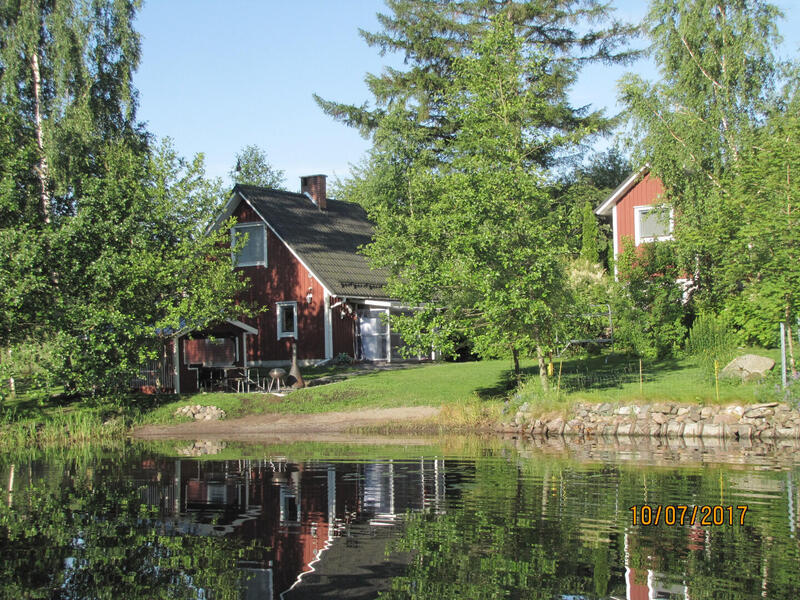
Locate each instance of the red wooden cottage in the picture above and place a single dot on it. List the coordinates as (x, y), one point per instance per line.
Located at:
(300, 253)
(633, 208)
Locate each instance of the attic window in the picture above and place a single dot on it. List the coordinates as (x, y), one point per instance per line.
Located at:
(652, 224)
(252, 252)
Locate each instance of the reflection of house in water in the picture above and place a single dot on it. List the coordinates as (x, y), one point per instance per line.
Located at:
(648, 584)
(292, 511)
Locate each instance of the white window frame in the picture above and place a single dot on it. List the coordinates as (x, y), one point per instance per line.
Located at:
(637, 217)
(239, 228)
(279, 314)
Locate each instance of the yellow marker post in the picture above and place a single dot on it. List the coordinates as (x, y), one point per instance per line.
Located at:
(716, 378)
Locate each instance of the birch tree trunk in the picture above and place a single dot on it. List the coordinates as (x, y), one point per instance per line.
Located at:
(542, 369)
(792, 363)
(41, 168)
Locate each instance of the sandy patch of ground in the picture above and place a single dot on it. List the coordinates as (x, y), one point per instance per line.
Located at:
(254, 426)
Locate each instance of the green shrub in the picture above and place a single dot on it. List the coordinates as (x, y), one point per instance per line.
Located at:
(711, 339)
(342, 359)
(649, 312)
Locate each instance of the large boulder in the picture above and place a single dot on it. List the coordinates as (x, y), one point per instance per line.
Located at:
(748, 367)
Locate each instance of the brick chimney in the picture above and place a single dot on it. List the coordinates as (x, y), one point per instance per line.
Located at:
(316, 187)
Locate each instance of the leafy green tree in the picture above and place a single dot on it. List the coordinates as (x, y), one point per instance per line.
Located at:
(102, 242)
(591, 182)
(472, 242)
(719, 82)
(66, 69)
(253, 168)
(762, 268)
(418, 171)
(133, 265)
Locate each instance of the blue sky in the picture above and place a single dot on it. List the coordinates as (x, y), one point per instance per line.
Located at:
(216, 76)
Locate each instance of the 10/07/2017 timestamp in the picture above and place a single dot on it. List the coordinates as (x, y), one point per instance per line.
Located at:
(683, 514)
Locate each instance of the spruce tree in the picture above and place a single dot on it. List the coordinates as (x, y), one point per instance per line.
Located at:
(589, 235)
(432, 34)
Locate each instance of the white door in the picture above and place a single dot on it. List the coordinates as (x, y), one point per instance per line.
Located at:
(373, 332)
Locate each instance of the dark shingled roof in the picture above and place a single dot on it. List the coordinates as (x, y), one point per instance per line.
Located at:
(326, 240)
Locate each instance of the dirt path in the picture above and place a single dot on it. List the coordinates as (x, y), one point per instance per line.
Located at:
(271, 424)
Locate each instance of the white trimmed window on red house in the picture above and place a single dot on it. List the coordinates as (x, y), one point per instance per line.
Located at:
(287, 319)
(653, 223)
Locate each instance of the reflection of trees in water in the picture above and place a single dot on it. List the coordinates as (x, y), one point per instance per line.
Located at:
(84, 532)
(542, 529)
(539, 527)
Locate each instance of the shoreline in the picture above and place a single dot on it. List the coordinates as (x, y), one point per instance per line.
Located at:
(341, 422)
(765, 421)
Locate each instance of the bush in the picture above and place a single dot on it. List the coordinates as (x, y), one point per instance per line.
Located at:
(649, 312)
(342, 359)
(711, 339)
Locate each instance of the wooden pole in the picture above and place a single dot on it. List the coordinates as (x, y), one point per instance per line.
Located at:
(783, 354)
(716, 378)
(641, 383)
(11, 384)
(558, 386)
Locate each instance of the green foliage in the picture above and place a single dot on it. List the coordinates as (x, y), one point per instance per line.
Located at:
(589, 235)
(103, 251)
(496, 275)
(432, 35)
(757, 311)
(649, 311)
(591, 182)
(67, 72)
(711, 340)
(469, 224)
(253, 168)
(718, 132)
(342, 359)
(762, 271)
(590, 290)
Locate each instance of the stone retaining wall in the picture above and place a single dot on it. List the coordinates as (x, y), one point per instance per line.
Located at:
(753, 421)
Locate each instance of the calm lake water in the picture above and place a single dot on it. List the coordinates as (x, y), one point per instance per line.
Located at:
(434, 519)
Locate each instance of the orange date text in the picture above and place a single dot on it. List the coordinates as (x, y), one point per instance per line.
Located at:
(683, 514)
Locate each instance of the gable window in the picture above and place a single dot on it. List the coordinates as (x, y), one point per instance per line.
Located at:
(287, 319)
(253, 252)
(652, 224)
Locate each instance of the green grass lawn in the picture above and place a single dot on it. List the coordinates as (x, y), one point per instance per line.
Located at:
(617, 379)
(425, 385)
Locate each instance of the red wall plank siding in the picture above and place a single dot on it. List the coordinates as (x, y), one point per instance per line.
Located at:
(283, 279)
(644, 193)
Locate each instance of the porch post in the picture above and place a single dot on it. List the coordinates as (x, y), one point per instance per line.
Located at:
(176, 363)
(388, 337)
(328, 323)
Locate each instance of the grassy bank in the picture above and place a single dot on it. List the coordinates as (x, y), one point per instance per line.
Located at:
(472, 395)
(458, 384)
